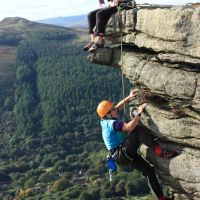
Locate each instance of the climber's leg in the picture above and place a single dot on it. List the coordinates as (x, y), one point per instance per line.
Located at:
(140, 164)
(92, 20)
(102, 17)
(142, 135)
(139, 135)
(91, 23)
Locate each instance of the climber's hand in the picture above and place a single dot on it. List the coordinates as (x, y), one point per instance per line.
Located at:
(142, 108)
(133, 93)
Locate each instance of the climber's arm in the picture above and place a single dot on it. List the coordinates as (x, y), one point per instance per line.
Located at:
(132, 94)
(130, 126)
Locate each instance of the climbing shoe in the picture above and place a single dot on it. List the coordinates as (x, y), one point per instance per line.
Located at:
(88, 46)
(163, 152)
(95, 46)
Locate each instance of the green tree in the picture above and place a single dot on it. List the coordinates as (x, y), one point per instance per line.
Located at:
(60, 185)
(47, 177)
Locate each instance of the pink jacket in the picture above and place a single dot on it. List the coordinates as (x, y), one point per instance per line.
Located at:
(102, 3)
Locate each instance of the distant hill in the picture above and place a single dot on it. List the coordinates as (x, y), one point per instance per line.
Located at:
(79, 21)
(21, 25)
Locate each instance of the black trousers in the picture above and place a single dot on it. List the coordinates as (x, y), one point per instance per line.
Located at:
(130, 147)
(98, 19)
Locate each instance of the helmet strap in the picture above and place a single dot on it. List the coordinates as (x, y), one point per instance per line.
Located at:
(109, 116)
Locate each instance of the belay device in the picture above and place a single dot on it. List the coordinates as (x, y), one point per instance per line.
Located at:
(126, 3)
(111, 165)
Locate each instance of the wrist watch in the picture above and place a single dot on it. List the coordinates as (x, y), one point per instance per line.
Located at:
(137, 113)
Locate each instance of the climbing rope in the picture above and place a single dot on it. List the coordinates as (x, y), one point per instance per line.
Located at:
(121, 56)
(119, 8)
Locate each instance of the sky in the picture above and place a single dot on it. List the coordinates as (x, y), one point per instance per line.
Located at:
(42, 9)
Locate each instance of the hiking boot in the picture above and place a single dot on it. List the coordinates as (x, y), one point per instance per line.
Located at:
(163, 152)
(88, 46)
(96, 46)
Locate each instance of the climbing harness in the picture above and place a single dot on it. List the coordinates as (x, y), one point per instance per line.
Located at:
(111, 160)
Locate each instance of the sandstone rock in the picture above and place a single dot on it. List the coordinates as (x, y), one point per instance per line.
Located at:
(182, 171)
(162, 56)
(159, 78)
(197, 96)
(101, 58)
(169, 126)
(174, 30)
(177, 58)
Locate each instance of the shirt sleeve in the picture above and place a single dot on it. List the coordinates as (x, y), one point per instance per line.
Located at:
(117, 125)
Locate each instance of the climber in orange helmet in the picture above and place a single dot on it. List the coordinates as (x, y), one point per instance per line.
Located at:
(123, 139)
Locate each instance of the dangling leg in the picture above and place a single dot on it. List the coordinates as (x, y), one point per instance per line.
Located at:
(140, 164)
(131, 145)
(91, 23)
(102, 17)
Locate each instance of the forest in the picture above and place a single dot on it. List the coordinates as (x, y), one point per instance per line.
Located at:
(53, 148)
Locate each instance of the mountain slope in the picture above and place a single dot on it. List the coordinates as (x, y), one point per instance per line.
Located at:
(20, 25)
(79, 21)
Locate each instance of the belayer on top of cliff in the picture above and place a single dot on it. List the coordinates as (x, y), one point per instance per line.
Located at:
(97, 20)
(122, 140)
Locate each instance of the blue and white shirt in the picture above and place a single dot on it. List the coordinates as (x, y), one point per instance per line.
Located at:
(112, 133)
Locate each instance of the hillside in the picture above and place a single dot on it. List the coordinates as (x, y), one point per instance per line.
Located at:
(50, 141)
(79, 21)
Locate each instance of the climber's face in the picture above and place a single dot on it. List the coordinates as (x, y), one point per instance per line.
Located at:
(114, 112)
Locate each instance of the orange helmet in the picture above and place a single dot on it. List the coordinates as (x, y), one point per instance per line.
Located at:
(104, 107)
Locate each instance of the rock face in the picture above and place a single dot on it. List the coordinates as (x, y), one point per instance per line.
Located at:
(161, 55)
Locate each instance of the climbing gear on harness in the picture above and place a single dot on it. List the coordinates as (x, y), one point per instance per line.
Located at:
(166, 153)
(88, 46)
(163, 152)
(127, 4)
(124, 2)
(111, 165)
(111, 160)
(126, 155)
(104, 107)
(123, 150)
